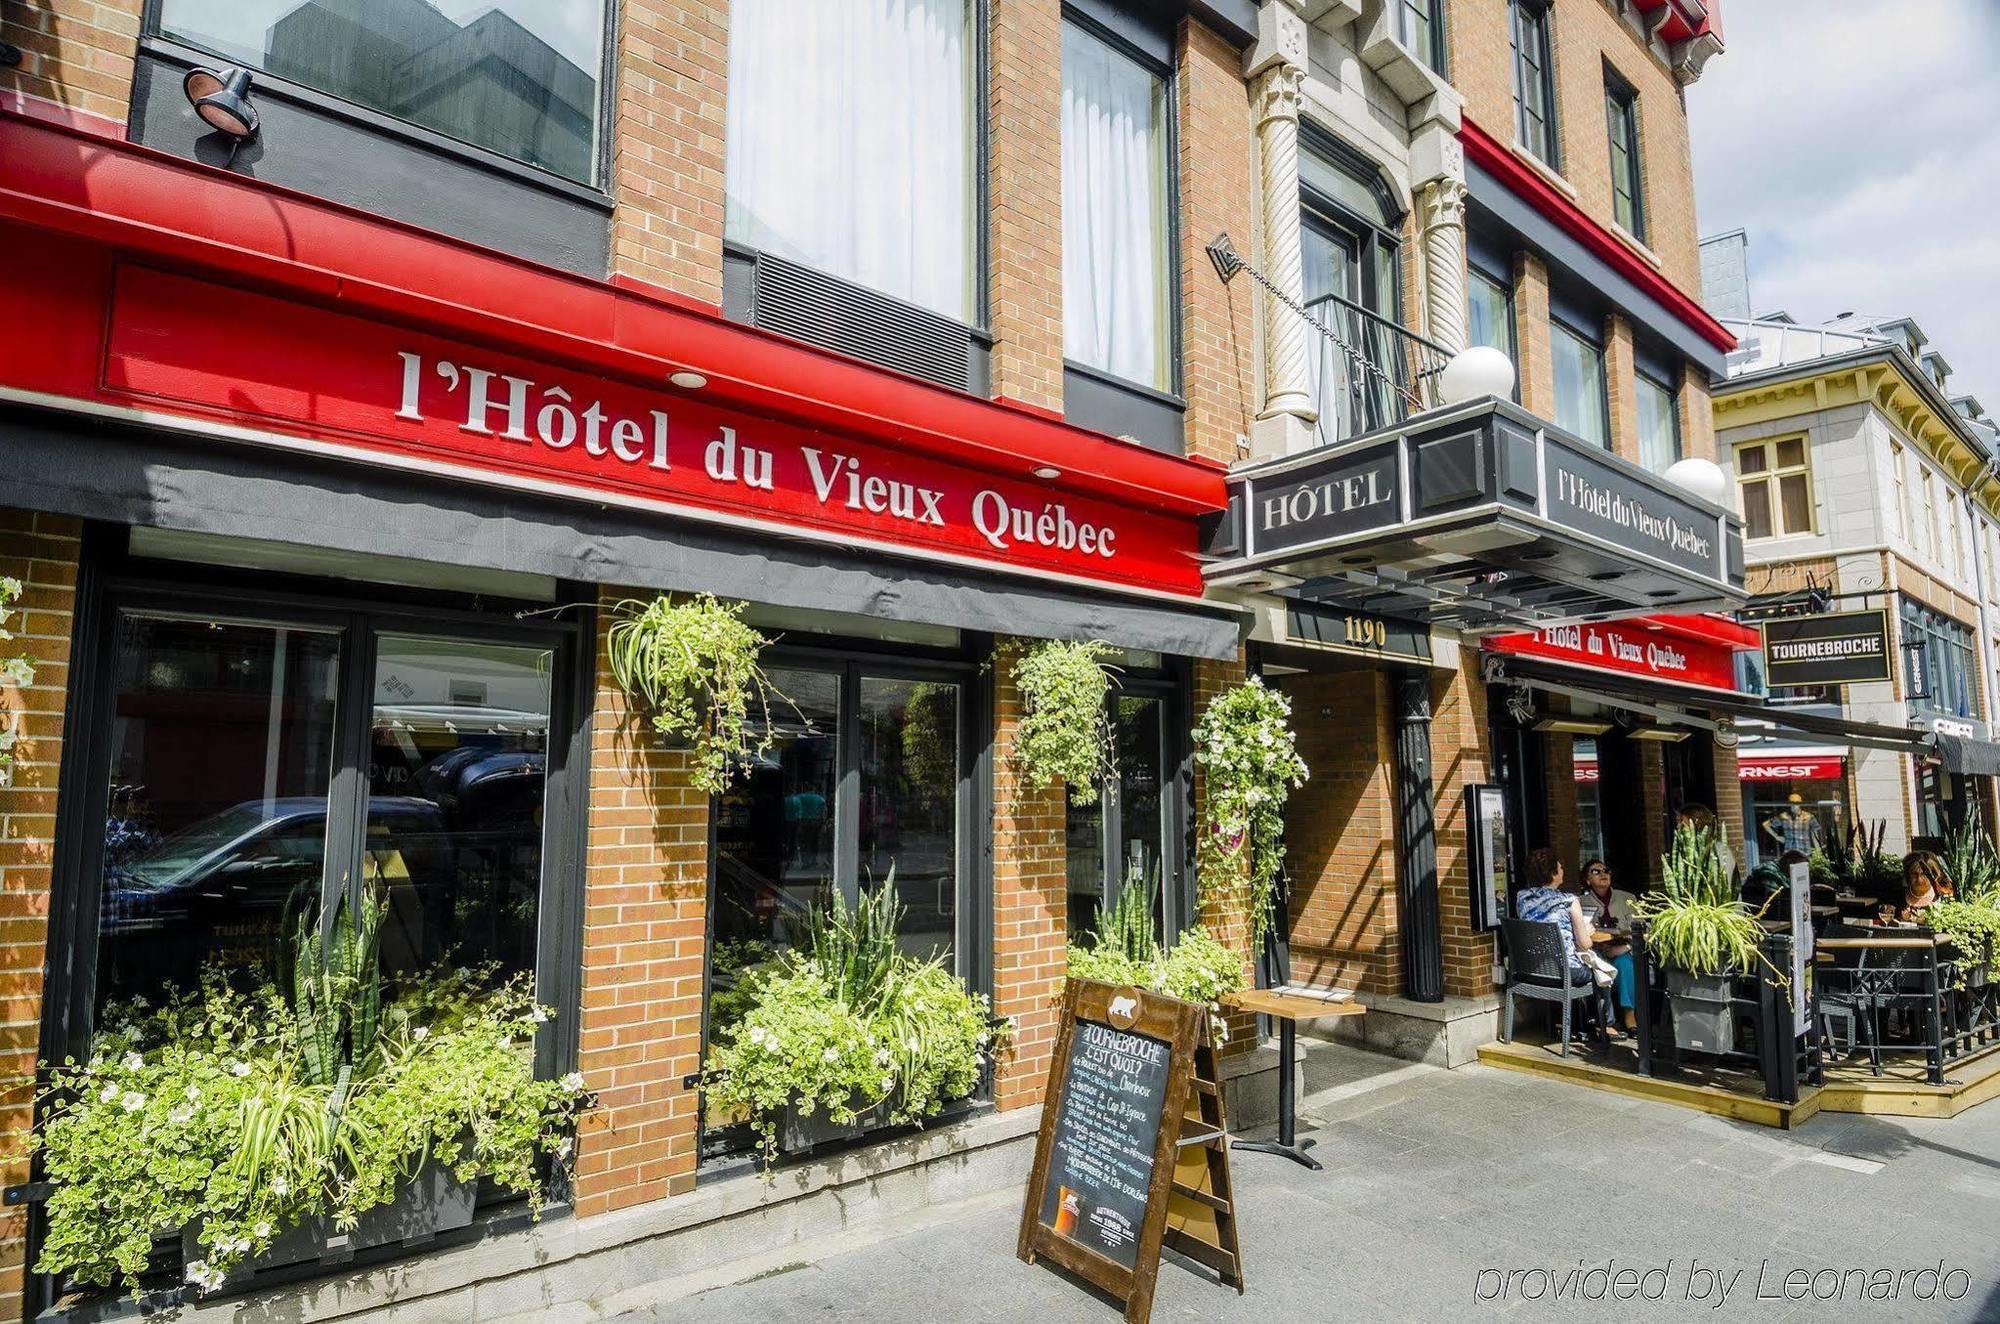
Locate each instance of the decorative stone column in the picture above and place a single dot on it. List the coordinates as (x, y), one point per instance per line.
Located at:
(1276, 67)
(1443, 212)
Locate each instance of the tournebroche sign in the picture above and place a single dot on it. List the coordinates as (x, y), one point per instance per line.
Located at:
(1836, 648)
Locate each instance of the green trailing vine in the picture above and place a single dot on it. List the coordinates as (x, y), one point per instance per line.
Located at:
(693, 664)
(18, 670)
(1065, 732)
(1250, 762)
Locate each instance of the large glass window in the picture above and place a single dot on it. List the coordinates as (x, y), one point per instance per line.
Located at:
(1490, 311)
(909, 804)
(222, 755)
(1940, 667)
(1115, 212)
(1775, 488)
(1348, 237)
(1659, 423)
(1579, 374)
(1534, 79)
(1420, 27)
(848, 146)
(1621, 118)
(517, 77)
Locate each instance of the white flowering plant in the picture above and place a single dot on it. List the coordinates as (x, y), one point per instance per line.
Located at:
(844, 1022)
(203, 1113)
(1250, 764)
(1065, 731)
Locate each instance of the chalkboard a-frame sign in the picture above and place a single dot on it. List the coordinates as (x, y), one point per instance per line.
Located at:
(1104, 1170)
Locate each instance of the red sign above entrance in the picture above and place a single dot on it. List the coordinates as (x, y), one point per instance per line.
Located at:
(1663, 648)
(1762, 768)
(460, 410)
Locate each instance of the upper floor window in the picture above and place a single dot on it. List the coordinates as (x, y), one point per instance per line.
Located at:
(1775, 487)
(1489, 309)
(1659, 423)
(1899, 470)
(1420, 27)
(1579, 373)
(1116, 216)
(516, 77)
(1935, 546)
(1621, 116)
(1534, 79)
(849, 144)
(1348, 240)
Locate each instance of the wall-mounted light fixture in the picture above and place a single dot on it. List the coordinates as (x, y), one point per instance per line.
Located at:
(1573, 726)
(1665, 735)
(222, 100)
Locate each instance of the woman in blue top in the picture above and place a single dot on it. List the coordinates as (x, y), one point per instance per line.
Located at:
(1544, 902)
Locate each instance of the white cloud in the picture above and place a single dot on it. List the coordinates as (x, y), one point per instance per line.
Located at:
(1859, 144)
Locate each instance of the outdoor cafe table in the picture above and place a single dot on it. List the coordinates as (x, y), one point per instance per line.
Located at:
(1288, 1008)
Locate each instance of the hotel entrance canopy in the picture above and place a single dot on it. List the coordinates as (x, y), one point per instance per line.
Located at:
(1479, 517)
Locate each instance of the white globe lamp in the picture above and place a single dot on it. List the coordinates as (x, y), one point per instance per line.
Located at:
(1703, 478)
(1474, 374)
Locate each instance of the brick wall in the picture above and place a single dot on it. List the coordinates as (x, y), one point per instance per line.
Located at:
(1217, 152)
(76, 53)
(672, 70)
(1589, 35)
(645, 915)
(1619, 388)
(1340, 834)
(1697, 415)
(1728, 796)
(1565, 829)
(1030, 904)
(1460, 758)
(41, 551)
(1531, 336)
(1024, 190)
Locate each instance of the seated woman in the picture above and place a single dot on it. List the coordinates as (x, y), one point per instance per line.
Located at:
(1607, 908)
(1544, 902)
(1924, 883)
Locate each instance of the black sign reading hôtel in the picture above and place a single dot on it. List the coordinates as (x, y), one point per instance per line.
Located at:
(1484, 495)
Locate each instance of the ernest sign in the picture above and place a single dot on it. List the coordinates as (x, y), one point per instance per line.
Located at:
(463, 411)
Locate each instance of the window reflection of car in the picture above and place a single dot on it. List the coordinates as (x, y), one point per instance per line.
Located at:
(256, 861)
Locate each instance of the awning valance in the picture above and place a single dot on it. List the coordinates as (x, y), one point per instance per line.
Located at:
(1968, 756)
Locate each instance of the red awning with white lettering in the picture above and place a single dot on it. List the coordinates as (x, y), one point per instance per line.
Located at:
(1784, 765)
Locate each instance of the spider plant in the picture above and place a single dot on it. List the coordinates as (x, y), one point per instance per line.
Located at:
(1697, 923)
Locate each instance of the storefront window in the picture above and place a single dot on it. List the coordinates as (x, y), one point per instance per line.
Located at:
(517, 77)
(222, 753)
(1128, 838)
(850, 142)
(1939, 665)
(456, 773)
(909, 804)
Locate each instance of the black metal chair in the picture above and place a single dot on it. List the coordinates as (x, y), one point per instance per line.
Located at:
(1538, 967)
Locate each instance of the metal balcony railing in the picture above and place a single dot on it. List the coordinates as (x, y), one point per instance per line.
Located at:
(1368, 371)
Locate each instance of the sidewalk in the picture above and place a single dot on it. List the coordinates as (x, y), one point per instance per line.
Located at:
(1438, 1183)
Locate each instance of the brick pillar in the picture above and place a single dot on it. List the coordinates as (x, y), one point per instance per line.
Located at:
(645, 916)
(1340, 834)
(1531, 336)
(1728, 797)
(1030, 904)
(1565, 832)
(1460, 757)
(1024, 209)
(1219, 334)
(1620, 387)
(41, 551)
(1653, 796)
(671, 71)
(76, 53)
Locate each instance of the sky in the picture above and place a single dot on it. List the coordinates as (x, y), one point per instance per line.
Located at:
(1858, 142)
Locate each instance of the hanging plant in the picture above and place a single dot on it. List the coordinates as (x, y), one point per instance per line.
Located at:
(694, 665)
(1250, 759)
(19, 670)
(1065, 732)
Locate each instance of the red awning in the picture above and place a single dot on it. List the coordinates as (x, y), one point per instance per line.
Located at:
(1802, 765)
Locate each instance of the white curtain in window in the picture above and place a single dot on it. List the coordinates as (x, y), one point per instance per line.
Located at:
(849, 142)
(1114, 212)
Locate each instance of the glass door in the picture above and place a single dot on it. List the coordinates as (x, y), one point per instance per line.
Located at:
(1333, 268)
(1133, 835)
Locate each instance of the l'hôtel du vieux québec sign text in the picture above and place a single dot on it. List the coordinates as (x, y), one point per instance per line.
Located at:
(470, 412)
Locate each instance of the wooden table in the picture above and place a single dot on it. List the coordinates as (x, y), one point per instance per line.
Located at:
(1288, 1009)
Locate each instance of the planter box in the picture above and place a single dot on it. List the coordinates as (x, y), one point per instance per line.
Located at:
(1704, 1021)
(799, 1132)
(433, 1201)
